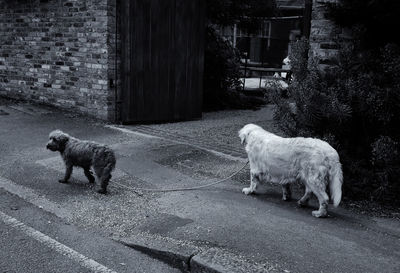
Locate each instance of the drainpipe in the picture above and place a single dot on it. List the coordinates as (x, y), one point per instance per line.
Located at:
(307, 18)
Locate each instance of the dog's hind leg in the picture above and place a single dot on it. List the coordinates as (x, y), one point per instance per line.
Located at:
(304, 200)
(318, 188)
(68, 172)
(323, 205)
(254, 181)
(89, 175)
(286, 192)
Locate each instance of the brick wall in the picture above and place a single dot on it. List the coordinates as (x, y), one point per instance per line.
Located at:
(326, 38)
(60, 53)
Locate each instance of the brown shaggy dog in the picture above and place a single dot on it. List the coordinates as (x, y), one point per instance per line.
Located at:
(84, 154)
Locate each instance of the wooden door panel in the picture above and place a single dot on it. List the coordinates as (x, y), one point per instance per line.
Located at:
(162, 60)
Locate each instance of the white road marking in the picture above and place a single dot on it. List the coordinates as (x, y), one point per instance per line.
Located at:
(128, 131)
(55, 245)
(226, 156)
(30, 196)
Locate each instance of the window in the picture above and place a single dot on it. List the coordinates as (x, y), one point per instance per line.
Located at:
(265, 29)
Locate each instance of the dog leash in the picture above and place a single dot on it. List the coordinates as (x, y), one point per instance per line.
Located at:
(137, 190)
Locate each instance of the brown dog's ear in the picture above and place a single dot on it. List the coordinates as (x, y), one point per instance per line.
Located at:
(59, 136)
(62, 138)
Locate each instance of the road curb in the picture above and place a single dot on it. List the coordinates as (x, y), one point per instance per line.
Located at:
(217, 260)
(194, 259)
(176, 254)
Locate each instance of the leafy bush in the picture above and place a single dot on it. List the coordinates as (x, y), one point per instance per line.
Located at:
(385, 160)
(298, 57)
(222, 84)
(367, 19)
(222, 61)
(355, 107)
(221, 69)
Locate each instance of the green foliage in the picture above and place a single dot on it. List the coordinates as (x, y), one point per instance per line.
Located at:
(355, 107)
(299, 58)
(386, 163)
(221, 69)
(245, 13)
(222, 82)
(370, 20)
(222, 61)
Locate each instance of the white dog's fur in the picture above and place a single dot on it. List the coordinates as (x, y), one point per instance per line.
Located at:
(286, 160)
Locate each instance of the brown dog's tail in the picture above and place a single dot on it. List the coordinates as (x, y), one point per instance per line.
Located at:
(335, 183)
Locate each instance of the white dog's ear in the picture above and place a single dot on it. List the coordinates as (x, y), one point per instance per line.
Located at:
(242, 136)
(243, 140)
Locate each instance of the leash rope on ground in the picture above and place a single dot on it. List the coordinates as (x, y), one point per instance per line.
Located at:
(136, 190)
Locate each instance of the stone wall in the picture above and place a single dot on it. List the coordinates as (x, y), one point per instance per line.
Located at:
(326, 38)
(60, 52)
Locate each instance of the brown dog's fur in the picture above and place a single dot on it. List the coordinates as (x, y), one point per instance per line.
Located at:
(84, 154)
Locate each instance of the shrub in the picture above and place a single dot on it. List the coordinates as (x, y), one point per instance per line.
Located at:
(298, 57)
(355, 107)
(221, 64)
(222, 84)
(385, 161)
(221, 69)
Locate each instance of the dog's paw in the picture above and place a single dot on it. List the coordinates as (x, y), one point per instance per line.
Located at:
(102, 191)
(63, 181)
(286, 197)
(319, 214)
(247, 191)
(301, 204)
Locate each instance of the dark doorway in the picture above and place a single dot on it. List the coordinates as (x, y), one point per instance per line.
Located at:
(162, 60)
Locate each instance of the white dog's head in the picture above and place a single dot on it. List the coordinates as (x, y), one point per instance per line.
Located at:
(245, 132)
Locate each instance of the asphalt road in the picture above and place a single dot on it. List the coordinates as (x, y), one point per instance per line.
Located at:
(33, 240)
(262, 229)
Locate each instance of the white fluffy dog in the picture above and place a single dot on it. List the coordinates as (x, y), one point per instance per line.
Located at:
(286, 160)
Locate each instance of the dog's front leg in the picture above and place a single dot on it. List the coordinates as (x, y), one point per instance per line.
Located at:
(254, 180)
(286, 192)
(68, 172)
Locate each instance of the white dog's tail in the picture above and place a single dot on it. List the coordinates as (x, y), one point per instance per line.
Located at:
(335, 183)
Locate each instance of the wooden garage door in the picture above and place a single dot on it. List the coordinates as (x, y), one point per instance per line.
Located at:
(162, 59)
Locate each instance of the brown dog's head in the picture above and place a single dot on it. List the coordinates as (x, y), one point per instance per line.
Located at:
(57, 141)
